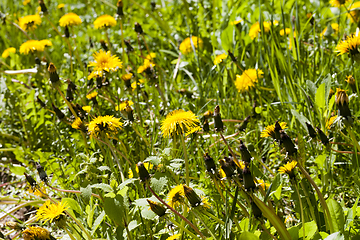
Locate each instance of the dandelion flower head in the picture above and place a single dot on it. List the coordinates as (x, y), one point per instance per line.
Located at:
(255, 29)
(36, 233)
(70, 19)
(338, 3)
(92, 95)
(104, 21)
(51, 211)
(7, 52)
(330, 122)
(174, 237)
(103, 61)
(30, 22)
(335, 29)
(86, 108)
(60, 6)
(147, 165)
(186, 47)
(127, 76)
(95, 74)
(286, 32)
(134, 85)
(179, 122)
(104, 124)
(149, 58)
(354, 12)
(123, 105)
(248, 79)
(26, 2)
(269, 131)
(288, 169)
(236, 22)
(77, 124)
(176, 196)
(219, 58)
(350, 45)
(31, 46)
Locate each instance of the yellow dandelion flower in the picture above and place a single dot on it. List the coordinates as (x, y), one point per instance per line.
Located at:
(350, 79)
(95, 74)
(219, 58)
(104, 21)
(77, 124)
(30, 22)
(174, 237)
(60, 6)
(236, 22)
(103, 61)
(286, 32)
(179, 122)
(354, 12)
(91, 95)
(335, 29)
(40, 191)
(127, 76)
(350, 45)
(123, 105)
(86, 108)
(288, 169)
(26, 2)
(186, 47)
(205, 202)
(51, 211)
(31, 46)
(149, 58)
(46, 43)
(176, 196)
(248, 79)
(7, 52)
(255, 29)
(144, 67)
(36, 233)
(104, 124)
(338, 3)
(269, 131)
(134, 85)
(222, 173)
(70, 19)
(263, 184)
(330, 122)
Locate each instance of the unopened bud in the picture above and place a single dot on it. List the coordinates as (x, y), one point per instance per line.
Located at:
(243, 125)
(192, 197)
(54, 77)
(277, 130)
(287, 143)
(233, 58)
(42, 104)
(156, 208)
(209, 164)
(227, 167)
(311, 130)
(255, 210)
(206, 126)
(248, 180)
(42, 174)
(30, 180)
(138, 28)
(120, 8)
(43, 7)
(129, 48)
(143, 172)
(58, 113)
(219, 126)
(342, 102)
(103, 45)
(323, 138)
(245, 154)
(69, 94)
(67, 32)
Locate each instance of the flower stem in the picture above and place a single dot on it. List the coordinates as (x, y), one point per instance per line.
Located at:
(183, 228)
(186, 160)
(301, 207)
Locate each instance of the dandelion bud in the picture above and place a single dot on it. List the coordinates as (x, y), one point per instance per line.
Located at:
(67, 32)
(243, 125)
(248, 180)
(185, 92)
(69, 94)
(42, 104)
(54, 77)
(288, 144)
(41, 171)
(119, 11)
(129, 112)
(103, 45)
(99, 82)
(59, 114)
(255, 209)
(277, 130)
(43, 7)
(156, 208)
(14, 225)
(208, 114)
(143, 172)
(209, 164)
(191, 196)
(311, 130)
(311, 18)
(129, 48)
(30, 180)
(323, 138)
(227, 167)
(37, 61)
(331, 93)
(138, 28)
(351, 81)
(233, 58)
(342, 102)
(245, 154)
(91, 43)
(219, 126)
(206, 126)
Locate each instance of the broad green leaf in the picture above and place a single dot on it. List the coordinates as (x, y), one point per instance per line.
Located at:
(248, 236)
(337, 215)
(335, 236)
(227, 38)
(294, 232)
(17, 169)
(103, 186)
(153, 159)
(86, 193)
(114, 208)
(320, 96)
(310, 230)
(97, 222)
(320, 160)
(158, 184)
(300, 117)
(73, 204)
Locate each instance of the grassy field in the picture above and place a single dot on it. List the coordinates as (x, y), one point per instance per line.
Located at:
(179, 119)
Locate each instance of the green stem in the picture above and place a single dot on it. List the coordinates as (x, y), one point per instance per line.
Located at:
(186, 160)
(301, 207)
(183, 228)
(195, 212)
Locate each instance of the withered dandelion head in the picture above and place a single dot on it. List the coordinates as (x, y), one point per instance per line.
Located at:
(255, 29)
(123, 105)
(104, 21)
(30, 22)
(338, 3)
(176, 196)
(31, 46)
(52, 211)
(186, 47)
(103, 61)
(288, 169)
(269, 131)
(104, 124)
(92, 95)
(354, 12)
(179, 122)
(174, 237)
(341, 97)
(36, 233)
(247, 80)
(70, 19)
(219, 58)
(330, 122)
(7, 52)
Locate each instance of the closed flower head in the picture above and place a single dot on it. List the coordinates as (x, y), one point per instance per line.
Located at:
(36, 233)
(29, 22)
(104, 21)
(70, 19)
(248, 79)
(104, 124)
(186, 46)
(179, 122)
(103, 61)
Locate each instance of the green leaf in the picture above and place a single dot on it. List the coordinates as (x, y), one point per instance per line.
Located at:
(300, 118)
(73, 204)
(97, 222)
(114, 208)
(153, 159)
(294, 232)
(310, 230)
(335, 236)
(103, 186)
(337, 215)
(320, 96)
(158, 184)
(227, 37)
(248, 236)
(86, 193)
(17, 169)
(320, 160)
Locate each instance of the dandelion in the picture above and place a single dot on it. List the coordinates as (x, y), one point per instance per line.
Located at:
(52, 211)
(95, 74)
(7, 52)
(219, 58)
(146, 66)
(174, 237)
(147, 165)
(104, 124)
(31, 46)
(255, 29)
(269, 131)
(176, 196)
(338, 3)
(36, 233)
(149, 58)
(236, 22)
(186, 47)
(26, 2)
(86, 108)
(263, 184)
(123, 105)
(127, 76)
(103, 61)
(342, 102)
(179, 122)
(39, 191)
(70, 19)
(60, 6)
(46, 43)
(354, 12)
(79, 125)
(248, 79)
(289, 169)
(286, 32)
(92, 95)
(334, 27)
(134, 85)
(29, 22)
(104, 21)
(330, 122)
